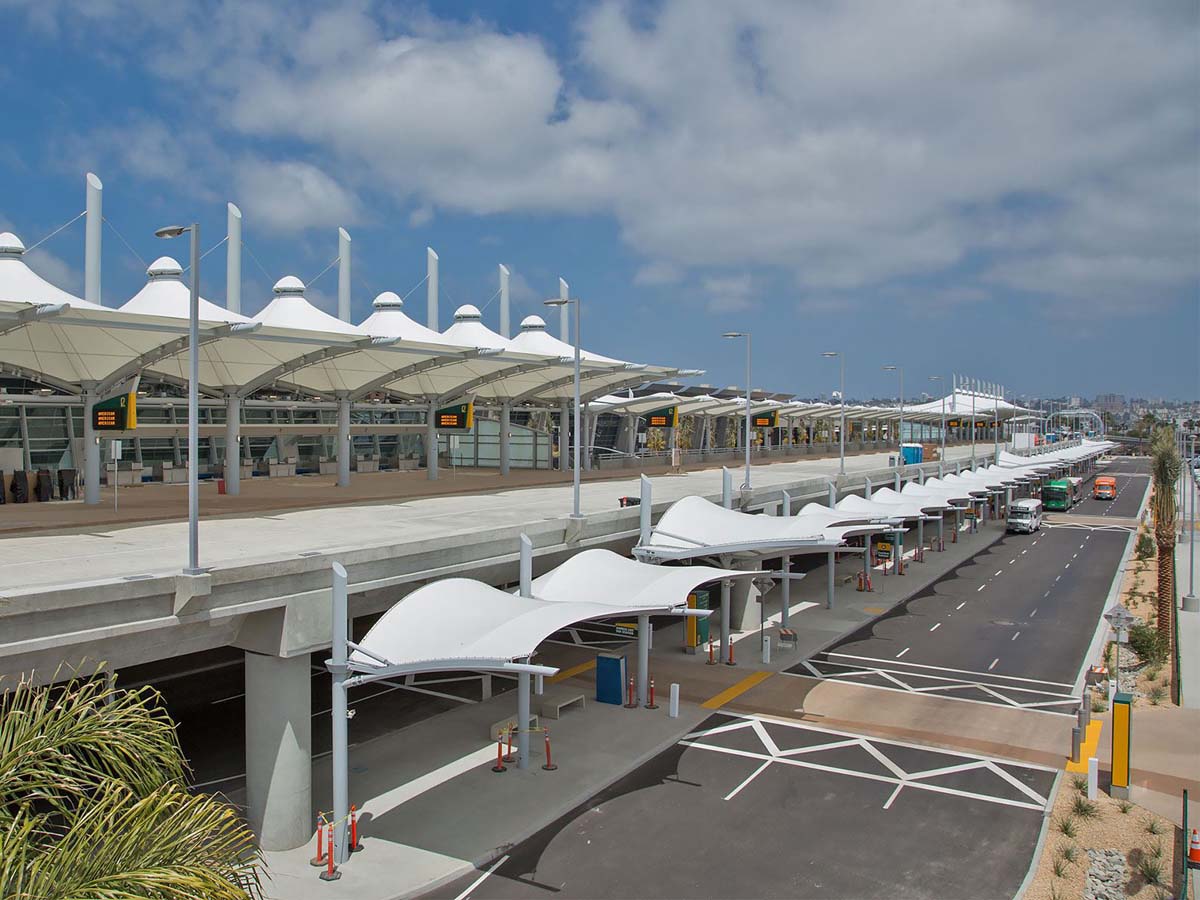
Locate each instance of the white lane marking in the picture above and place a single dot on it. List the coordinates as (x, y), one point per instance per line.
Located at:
(1023, 552)
(1074, 555)
(961, 605)
(895, 794)
(876, 659)
(936, 626)
(482, 878)
(902, 652)
(1017, 635)
(1081, 546)
(1058, 578)
(1034, 613)
(980, 588)
(1047, 594)
(749, 778)
(1011, 561)
(993, 665)
(999, 572)
(1035, 543)
(1067, 566)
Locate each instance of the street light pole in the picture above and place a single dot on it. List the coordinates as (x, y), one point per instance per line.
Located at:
(557, 301)
(900, 427)
(942, 391)
(829, 354)
(172, 231)
(746, 335)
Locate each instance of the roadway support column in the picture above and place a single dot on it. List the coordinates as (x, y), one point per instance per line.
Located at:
(279, 750)
(941, 532)
(866, 561)
(785, 564)
(343, 441)
(505, 436)
(643, 675)
(91, 452)
(338, 712)
(523, 719)
(233, 444)
(431, 444)
(829, 586)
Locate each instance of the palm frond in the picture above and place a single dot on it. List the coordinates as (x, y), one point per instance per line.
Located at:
(59, 743)
(167, 845)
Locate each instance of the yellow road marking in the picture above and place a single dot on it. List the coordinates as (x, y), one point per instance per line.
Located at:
(1090, 742)
(874, 609)
(573, 671)
(737, 690)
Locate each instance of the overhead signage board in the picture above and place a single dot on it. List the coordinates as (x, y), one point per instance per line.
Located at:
(667, 417)
(117, 413)
(765, 419)
(460, 417)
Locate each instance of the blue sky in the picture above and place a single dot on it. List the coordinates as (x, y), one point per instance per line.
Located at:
(1009, 190)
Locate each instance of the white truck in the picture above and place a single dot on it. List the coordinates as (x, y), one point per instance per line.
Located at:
(1024, 516)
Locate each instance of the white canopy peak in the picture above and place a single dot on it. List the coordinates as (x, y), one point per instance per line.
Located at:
(467, 313)
(388, 300)
(533, 323)
(10, 245)
(164, 267)
(289, 285)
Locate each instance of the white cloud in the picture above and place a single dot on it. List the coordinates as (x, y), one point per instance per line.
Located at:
(726, 294)
(852, 143)
(292, 195)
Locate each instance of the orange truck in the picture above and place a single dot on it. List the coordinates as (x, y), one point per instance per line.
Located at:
(1104, 487)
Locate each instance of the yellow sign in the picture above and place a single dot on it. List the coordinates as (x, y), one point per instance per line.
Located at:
(1122, 734)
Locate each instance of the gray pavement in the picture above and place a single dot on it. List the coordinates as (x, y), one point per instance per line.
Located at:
(42, 560)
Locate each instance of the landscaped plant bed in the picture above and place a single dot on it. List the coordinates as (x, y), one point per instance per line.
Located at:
(1128, 850)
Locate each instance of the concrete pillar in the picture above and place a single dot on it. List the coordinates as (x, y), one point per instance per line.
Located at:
(176, 448)
(522, 720)
(233, 444)
(643, 675)
(279, 750)
(920, 532)
(629, 433)
(431, 444)
(506, 437)
(91, 452)
(23, 427)
(343, 441)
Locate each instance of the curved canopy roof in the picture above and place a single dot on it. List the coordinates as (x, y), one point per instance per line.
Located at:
(165, 294)
(899, 509)
(694, 527)
(626, 585)
(20, 283)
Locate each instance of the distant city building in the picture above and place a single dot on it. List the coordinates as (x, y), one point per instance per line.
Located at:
(1111, 403)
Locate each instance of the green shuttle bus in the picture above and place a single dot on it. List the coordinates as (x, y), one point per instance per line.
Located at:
(1061, 494)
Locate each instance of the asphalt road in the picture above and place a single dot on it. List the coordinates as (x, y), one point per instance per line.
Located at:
(748, 807)
(1132, 474)
(1011, 626)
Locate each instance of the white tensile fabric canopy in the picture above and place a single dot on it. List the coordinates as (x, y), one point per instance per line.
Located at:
(694, 527)
(900, 509)
(459, 623)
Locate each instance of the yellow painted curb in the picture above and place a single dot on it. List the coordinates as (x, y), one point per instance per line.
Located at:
(737, 690)
(573, 671)
(1090, 742)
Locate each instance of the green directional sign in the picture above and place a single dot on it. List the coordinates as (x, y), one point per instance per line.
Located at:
(667, 417)
(769, 419)
(117, 413)
(460, 417)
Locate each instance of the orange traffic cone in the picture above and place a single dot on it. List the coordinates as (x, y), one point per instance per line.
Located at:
(1194, 849)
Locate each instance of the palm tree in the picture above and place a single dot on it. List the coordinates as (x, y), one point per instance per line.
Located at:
(93, 802)
(1165, 466)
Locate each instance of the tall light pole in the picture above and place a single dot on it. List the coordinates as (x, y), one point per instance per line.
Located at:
(942, 391)
(173, 231)
(900, 427)
(563, 301)
(746, 335)
(830, 354)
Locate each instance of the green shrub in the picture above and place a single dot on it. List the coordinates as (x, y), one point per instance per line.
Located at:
(1098, 704)
(1145, 547)
(1157, 695)
(1153, 826)
(1084, 808)
(1151, 870)
(1068, 853)
(1124, 806)
(1060, 868)
(1066, 825)
(1148, 644)
(1079, 782)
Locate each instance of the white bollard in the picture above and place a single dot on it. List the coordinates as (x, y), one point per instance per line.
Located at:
(1112, 689)
(766, 649)
(1093, 777)
(673, 706)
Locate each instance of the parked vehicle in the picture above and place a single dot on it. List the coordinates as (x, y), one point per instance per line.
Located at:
(1061, 493)
(1104, 487)
(1024, 516)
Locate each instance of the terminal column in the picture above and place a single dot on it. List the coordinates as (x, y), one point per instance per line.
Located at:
(279, 749)
(91, 450)
(431, 444)
(233, 444)
(643, 675)
(505, 437)
(343, 441)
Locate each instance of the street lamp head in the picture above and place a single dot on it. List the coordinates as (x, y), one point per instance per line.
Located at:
(935, 377)
(890, 368)
(556, 301)
(170, 231)
(734, 334)
(830, 354)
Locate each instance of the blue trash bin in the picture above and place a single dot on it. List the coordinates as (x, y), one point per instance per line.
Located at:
(610, 678)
